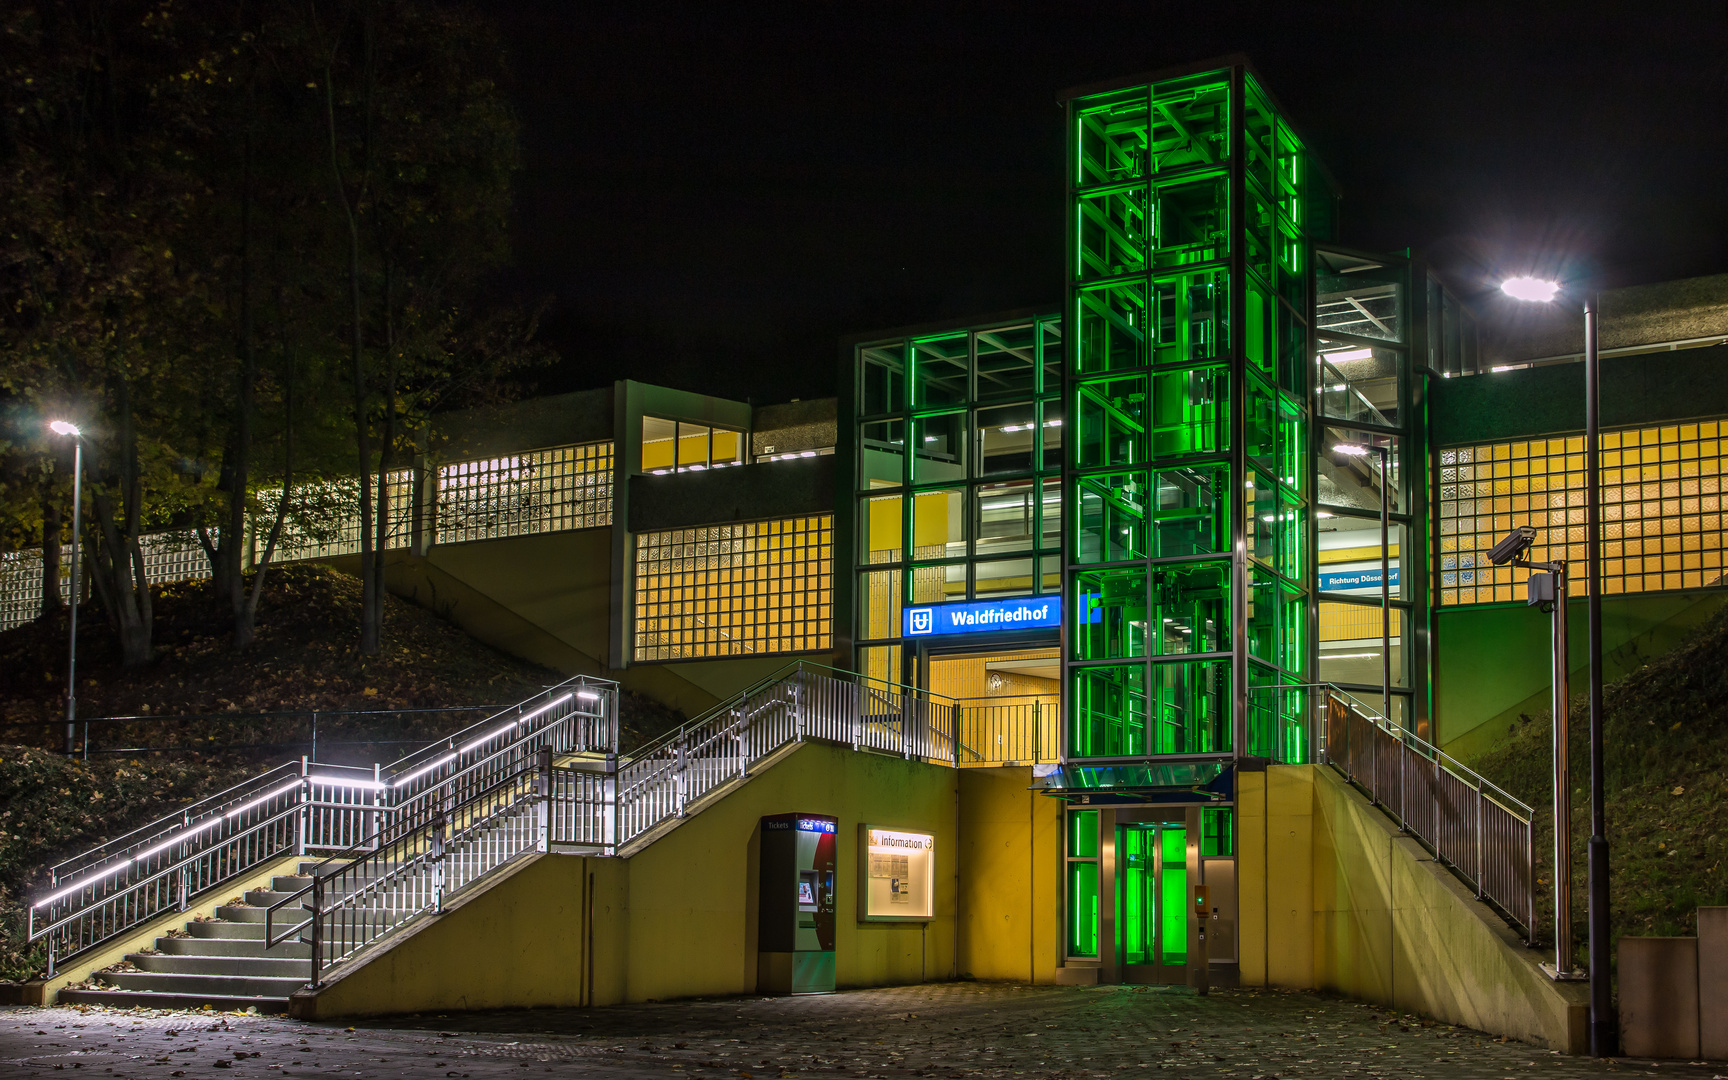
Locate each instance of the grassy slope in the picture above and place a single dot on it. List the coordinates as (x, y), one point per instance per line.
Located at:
(51, 808)
(1666, 740)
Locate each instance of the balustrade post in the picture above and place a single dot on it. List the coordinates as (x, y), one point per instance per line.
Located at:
(1037, 733)
(302, 820)
(182, 886)
(439, 824)
(859, 701)
(317, 921)
(1481, 850)
(798, 719)
(609, 806)
(543, 784)
(372, 814)
(681, 779)
(1403, 814)
(908, 713)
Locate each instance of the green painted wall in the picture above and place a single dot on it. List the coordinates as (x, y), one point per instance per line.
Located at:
(1491, 660)
(1649, 388)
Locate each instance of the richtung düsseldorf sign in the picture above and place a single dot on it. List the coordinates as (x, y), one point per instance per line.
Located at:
(982, 616)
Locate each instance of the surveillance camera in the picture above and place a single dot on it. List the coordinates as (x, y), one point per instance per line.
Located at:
(1512, 548)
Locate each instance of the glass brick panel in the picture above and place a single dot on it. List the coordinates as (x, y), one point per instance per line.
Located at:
(1109, 620)
(1113, 414)
(751, 589)
(1190, 608)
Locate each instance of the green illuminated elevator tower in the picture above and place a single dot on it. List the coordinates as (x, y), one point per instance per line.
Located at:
(1192, 211)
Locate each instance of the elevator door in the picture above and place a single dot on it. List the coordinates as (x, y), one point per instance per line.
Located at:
(1152, 902)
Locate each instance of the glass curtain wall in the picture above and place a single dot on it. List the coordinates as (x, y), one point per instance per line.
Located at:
(1371, 418)
(1192, 206)
(974, 510)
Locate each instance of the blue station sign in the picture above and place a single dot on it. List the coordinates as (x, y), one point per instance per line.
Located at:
(982, 616)
(1348, 580)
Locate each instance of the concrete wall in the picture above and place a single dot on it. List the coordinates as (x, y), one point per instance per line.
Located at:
(1335, 898)
(1010, 887)
(675, 918)
(1491, 663)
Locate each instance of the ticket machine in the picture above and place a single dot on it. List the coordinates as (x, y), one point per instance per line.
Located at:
(795, 905)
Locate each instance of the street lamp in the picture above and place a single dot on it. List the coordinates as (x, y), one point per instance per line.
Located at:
(1601, 995)
(61, 427)
(1360, 450)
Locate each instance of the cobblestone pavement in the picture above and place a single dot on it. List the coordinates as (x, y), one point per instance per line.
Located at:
(952, 1030)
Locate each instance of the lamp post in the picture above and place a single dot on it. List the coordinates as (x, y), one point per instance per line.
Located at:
(1359, 450)
(1601, 994)
(61, 427)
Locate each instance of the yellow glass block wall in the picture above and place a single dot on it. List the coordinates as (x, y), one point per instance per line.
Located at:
(749, 589)
(1661, 510)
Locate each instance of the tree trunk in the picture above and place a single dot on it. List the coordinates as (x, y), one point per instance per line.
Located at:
(246, 622)
(117, 561)
(51, 603)
(234, 532)
(357, 361)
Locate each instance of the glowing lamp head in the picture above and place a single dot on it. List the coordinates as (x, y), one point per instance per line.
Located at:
(1352, 449)
(61, 427)
(1529, 288)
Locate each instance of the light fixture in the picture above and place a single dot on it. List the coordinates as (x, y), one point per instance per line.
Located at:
(61, 427)
(1530, 288)
(1350, 354)
(1352, 449)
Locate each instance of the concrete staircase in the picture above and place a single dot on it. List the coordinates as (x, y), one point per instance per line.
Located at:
(221, 962)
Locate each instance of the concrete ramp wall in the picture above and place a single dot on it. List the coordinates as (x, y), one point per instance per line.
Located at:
(1372, 915)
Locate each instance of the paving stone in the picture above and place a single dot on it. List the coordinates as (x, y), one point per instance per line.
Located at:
(947, 1030)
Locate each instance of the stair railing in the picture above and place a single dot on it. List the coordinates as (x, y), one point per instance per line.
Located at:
(801, 702)
(297, 808)
(1479, 831)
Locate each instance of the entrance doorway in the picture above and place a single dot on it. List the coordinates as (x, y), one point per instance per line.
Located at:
(1152, 901)
(1007, 702)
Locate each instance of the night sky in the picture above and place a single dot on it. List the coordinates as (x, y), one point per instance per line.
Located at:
(715, 193)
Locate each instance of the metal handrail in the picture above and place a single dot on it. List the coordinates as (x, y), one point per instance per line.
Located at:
(1484, 835)
(202, 847)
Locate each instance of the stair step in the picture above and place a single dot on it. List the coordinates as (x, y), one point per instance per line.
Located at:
(126, 999)
(169, 982)
(275, 966)
(212, 946)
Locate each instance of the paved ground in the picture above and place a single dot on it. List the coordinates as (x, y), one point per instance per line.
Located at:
(955, 1030)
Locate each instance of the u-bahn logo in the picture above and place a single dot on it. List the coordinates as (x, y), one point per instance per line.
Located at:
(920, 621)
